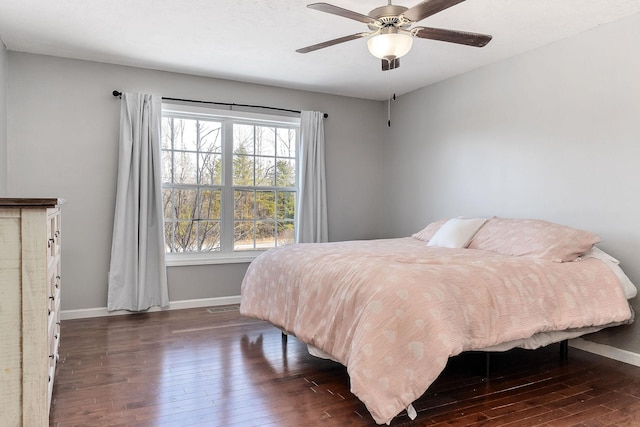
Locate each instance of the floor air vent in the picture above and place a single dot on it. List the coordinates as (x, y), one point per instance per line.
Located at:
(223, 308)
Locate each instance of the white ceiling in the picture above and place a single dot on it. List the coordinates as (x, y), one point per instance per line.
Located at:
(255, 40)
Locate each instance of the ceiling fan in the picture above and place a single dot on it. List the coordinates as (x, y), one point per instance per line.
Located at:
(391, 35)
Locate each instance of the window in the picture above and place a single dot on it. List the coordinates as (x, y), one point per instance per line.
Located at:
(229, 182)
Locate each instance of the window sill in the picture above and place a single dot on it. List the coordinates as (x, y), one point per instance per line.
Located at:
(180, 260)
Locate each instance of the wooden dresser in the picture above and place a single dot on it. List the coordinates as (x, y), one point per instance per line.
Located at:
(29, 308)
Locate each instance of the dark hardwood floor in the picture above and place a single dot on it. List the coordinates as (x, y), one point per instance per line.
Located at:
(216, 368)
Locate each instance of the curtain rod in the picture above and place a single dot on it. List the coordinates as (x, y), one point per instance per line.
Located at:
(228, 104)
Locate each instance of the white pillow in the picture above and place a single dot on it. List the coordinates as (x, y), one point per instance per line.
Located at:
(456, 232)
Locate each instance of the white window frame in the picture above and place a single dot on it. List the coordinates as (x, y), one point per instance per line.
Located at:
(227, 255)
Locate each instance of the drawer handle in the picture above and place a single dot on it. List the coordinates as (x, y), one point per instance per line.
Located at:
(51, 356)
(57, 233)
(55, 336)
(49, 310)
(49, 242)
(58, 323)
(52, 298)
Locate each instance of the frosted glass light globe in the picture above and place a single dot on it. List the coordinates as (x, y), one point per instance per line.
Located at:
(390, 45)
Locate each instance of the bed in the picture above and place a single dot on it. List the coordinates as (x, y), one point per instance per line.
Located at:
(394, 310)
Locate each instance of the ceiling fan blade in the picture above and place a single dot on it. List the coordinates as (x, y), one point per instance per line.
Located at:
(331, 42)
(452, 36)
(335, 10)
(428, 8)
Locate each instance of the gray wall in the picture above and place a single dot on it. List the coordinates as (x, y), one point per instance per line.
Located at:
(551, 134)
(63, 142)
(4, 67)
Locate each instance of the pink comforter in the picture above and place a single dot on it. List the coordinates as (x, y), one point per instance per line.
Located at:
(393, 311)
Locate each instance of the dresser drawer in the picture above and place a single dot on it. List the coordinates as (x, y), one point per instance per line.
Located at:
(53, 312)
(54, 278)
(53, 235)
(53, 356)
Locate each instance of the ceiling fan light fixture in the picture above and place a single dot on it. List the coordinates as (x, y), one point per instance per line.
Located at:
(390, 44)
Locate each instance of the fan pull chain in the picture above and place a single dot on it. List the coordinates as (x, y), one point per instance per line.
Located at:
(390, 97)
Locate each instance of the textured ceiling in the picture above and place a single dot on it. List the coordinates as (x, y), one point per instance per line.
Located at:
(255, 40)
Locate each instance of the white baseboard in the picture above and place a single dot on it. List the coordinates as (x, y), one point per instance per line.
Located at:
(173, 305)
(607, 351)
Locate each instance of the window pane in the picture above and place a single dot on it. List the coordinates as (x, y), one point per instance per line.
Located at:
(166, 161)
(185, 167)
(286, 143)
(168, 237)
(209, 206)
(243, 170)
(265, 204)
(210, 136)
(243, 236)
(167, 133)
(185, 236)
(286, 173)
(167, 203)
(242, 139)
(185, 135)
(265, 235)
(286, 205)
(210, 169)
(285, 233)
(208, 236)
(184, 204)
(265, 141)
(244, 204)
(265, 171)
